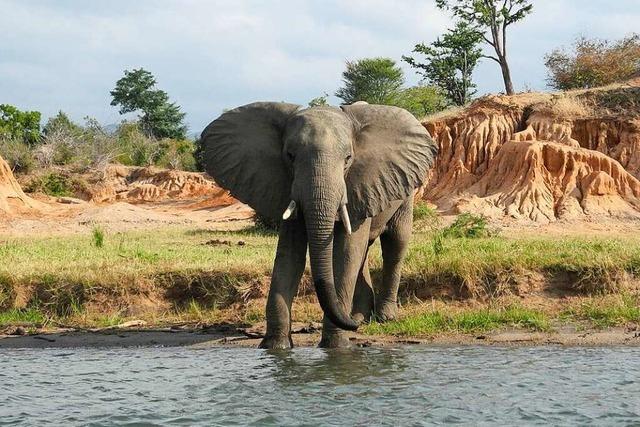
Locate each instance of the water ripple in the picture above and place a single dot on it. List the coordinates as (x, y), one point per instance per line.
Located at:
(403, 386)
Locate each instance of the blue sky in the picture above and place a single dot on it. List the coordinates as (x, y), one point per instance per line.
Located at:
(215, 54)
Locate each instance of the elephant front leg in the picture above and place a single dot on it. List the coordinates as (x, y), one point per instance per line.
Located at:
(394, 242)
(287, 272)
(363, 298)
(349, 252)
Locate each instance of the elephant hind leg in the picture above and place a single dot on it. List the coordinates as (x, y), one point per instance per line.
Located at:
(363, 299)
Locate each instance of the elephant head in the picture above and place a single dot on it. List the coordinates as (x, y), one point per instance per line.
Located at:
(325, 163)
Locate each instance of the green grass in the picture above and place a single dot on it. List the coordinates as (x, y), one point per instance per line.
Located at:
(62, 275)
(488, 266)
(467, 321)
(98, 237)
(18, 316)
(611, 312)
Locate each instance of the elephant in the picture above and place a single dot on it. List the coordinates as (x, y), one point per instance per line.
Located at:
(340, 178)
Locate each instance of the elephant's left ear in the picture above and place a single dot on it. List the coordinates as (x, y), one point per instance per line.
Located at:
(392, 155)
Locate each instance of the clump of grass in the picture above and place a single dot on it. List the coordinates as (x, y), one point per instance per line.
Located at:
(467, 225)
(97, 234)
(422, 211)
(21, 316)
(425, 217)
(468, 321)
(608, 312)
(109, 320)
(7, 292)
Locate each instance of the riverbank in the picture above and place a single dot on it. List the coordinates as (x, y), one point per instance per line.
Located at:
(541, 287)
(308, 336)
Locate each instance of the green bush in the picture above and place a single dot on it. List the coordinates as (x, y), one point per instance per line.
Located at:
(467, 225)
(53, 184)
(18, 155)
(177, 154)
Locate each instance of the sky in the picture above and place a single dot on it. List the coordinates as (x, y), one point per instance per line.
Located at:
(209, 55)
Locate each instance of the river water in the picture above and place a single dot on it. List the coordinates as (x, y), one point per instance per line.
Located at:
(309, 386)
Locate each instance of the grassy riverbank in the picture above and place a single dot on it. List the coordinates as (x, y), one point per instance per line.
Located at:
(450, 284)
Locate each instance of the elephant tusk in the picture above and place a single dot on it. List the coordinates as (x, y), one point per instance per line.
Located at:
(289, 211)
(344, 216)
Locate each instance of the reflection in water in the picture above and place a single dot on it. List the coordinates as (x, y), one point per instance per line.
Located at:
(403, 386)
(333, 366)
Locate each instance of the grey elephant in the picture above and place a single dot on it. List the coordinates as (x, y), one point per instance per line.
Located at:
(339, 178)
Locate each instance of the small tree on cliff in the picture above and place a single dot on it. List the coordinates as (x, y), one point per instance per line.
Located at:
(593, 62)
(421, 100)
(491, 18)
(450, 62)
(136, 91)
(374, 80)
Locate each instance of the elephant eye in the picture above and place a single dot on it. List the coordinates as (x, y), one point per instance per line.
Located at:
(290, 156)
(348, 159)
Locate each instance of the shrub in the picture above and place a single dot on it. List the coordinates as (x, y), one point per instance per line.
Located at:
(134, 148)
(593, 62)
(54, 184)
(176, 154)
(58, 147)
(18, 155)
(266, 224)
(467, 225)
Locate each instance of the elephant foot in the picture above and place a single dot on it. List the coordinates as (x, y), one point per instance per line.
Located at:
(277, 342)
(335, 340)
(387, 312)
(361, 317)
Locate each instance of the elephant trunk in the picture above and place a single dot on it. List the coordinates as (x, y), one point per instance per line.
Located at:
(320, 211)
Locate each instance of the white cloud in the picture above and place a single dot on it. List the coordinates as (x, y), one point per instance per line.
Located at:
(210, 55)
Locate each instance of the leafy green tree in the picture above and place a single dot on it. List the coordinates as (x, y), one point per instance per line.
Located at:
(21, 125)
(421, 100)
(61, 123)
(319, 101)
(594, 62)
(450, 62)
(136, 91)
(374, 80)
(492, 18)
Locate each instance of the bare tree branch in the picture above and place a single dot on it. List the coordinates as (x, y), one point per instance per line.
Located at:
(491, 57)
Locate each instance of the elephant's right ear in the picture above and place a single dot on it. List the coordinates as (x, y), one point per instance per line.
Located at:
(242, 151)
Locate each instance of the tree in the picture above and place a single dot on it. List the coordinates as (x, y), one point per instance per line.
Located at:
(421, 100)
(61, 123)
(450, 62)
(21, 125)
(319, 101)
(137, 91)
(593, 62)
(492, 17)
(374, 80)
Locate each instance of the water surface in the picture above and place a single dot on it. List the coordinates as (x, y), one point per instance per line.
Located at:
(308, 386)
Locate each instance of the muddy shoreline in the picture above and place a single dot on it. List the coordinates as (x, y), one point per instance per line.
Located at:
(305, 336)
